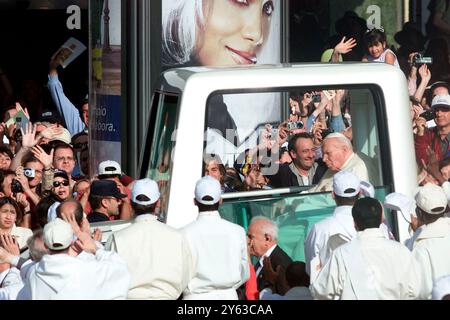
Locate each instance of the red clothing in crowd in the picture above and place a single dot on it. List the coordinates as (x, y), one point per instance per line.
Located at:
(251, 287)
(429, 139)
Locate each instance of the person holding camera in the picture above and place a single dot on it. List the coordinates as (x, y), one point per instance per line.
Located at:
(29, 174)
(437, 138)
(10, 187)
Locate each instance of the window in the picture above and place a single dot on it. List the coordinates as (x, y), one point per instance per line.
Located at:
(158, 158)
(249, 141)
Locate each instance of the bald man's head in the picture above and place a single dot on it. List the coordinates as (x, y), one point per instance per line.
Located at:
(70, 208)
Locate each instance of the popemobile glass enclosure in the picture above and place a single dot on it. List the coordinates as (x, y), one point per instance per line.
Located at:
(190, 103)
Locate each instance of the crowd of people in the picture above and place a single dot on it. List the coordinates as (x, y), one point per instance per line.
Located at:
(48, 200)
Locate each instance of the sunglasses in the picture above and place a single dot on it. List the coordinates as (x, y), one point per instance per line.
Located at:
(56, 184)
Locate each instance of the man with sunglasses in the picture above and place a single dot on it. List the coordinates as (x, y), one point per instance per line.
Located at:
(60, 192)
(63, 159)
(111, 170)
(104, 199)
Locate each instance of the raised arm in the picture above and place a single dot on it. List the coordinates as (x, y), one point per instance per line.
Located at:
(342, 47)
(65, 107)
(425, 74)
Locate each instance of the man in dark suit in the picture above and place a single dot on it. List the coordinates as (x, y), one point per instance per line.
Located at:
(262, 240)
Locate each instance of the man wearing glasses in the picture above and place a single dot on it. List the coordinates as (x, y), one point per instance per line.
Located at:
(63, 159)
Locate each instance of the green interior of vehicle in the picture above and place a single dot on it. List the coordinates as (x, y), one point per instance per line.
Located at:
(294, 214)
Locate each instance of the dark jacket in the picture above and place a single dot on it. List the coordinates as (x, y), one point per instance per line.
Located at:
(97, 217)
(286, 178)
(277, 258)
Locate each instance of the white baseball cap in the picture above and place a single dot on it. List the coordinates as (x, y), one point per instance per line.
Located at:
(64, 136)
(367, 189)
(441, 101)
(400, 202)
(146, 187)
(431, 199)
(109, 167)
(208, 186)
(346, 184)
(58, 235)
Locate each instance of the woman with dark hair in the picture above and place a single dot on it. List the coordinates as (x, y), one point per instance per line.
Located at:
(10, 216)
(60, 192)
(5, 157)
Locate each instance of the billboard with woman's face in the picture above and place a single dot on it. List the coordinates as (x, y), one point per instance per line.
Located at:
(220, 32)
(226, 33)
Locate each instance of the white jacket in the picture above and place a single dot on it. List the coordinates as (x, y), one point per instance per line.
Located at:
(158, 257)
(11, 284)
(432, 252)
(22, 235)
(316, 243)
(63, 277)
(354, 164)
(388, 270)
(220, 249)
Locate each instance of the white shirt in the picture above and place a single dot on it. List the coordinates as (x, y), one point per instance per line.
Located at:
(382, 57)
(261, 260)
(22, 235)
(432, 252)
(158, 258)
(316, 243)
(51, 213)
(353, 164)
(295, 293)
(220, 249)
(391, 268)
(62, 277)
(11, 284)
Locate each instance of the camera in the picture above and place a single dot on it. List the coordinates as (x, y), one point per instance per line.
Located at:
(325, 132)
(294, 125)
(16, 187)
(428, 115)
(28, 172)
(419, 60)
(316, 98)
(273, 133)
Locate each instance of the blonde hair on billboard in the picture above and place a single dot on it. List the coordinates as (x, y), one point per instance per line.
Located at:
(178, 31)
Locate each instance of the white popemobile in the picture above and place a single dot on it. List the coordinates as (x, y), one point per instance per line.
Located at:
(185, 114)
